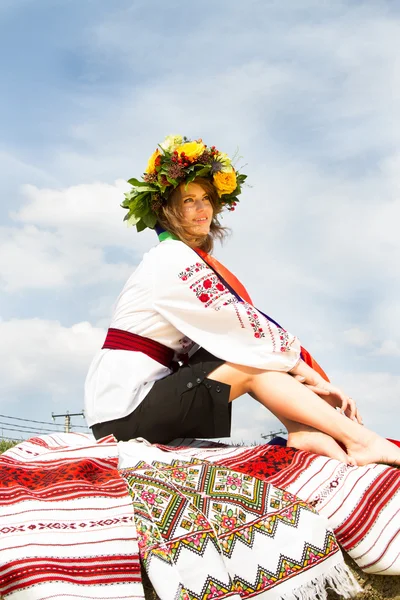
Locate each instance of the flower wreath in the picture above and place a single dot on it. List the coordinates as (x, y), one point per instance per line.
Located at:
(179, 160)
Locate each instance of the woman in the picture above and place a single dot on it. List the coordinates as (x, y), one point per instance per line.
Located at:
(185, 340)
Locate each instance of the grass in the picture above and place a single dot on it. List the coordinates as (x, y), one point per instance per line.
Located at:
(7, 444)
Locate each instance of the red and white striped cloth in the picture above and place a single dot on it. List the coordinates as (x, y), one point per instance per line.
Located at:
(362, 504)
(66, 522)
(67, 527)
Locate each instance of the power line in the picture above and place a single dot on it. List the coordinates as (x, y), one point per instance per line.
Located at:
(27, 427)
(3, 437)
(25, 431)
(40, 422)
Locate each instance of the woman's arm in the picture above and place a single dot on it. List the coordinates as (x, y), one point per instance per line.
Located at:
(333, 395)
(306, 374)
(191, 297)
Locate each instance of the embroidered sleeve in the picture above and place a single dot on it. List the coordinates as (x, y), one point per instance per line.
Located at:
(195, 301)
(207, 288)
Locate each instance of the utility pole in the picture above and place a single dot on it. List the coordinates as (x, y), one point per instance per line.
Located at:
(272, 434)
(67, 419)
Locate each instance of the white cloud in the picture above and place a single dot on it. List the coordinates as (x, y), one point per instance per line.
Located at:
(357, 337)
(90, 211)
(63, 237)
(377, 396)
(32, 258)
(389, 348)
(43, 357)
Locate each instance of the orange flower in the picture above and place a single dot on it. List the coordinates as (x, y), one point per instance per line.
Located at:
(225, 183)
(154, 161)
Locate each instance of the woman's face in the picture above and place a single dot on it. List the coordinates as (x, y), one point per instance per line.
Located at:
(196, 209)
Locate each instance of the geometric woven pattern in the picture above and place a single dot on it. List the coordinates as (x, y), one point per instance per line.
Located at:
(191, 514)
(361, 504)
(264, 579)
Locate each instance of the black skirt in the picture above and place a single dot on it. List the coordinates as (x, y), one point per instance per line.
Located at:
(183, 404)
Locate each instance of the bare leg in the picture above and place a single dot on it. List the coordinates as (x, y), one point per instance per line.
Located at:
(304, 437)
(291, 400)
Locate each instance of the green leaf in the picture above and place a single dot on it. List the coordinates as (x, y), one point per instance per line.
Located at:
(203, 171)
(150, 220)
(191, 178)
(141, 204)
(163, 188)
(140, 226)
(164, 169)
(126, 203)
(136, 183)
(132, 220)
(141, 189)
(129, 195)
(139, 197)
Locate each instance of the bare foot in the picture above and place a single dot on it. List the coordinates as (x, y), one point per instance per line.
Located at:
(311, 440)
(374, 449)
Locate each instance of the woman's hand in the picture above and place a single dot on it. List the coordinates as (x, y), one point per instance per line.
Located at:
(330, 393)
(334, 396)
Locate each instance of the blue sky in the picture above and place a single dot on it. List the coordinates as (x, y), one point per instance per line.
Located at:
(308, 91)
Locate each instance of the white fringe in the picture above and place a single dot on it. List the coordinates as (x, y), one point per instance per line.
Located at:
(339, 578)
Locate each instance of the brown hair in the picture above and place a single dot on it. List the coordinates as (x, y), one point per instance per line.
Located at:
(170, 218)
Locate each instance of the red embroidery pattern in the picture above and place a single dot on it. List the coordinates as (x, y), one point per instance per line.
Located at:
(67, 479)
(254, 321)
(238, 315)
(186, 344)
(284, 337)
(61, 526)
(209, 289)
(262, 461)
(190, 271)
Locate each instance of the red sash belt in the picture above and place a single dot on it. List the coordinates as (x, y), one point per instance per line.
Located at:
(118, 339)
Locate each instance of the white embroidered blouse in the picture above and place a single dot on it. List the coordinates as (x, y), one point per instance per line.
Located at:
(174, 297)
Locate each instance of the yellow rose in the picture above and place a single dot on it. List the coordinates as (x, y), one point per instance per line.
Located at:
(151, 165)
(225, 183)
(192, 150)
